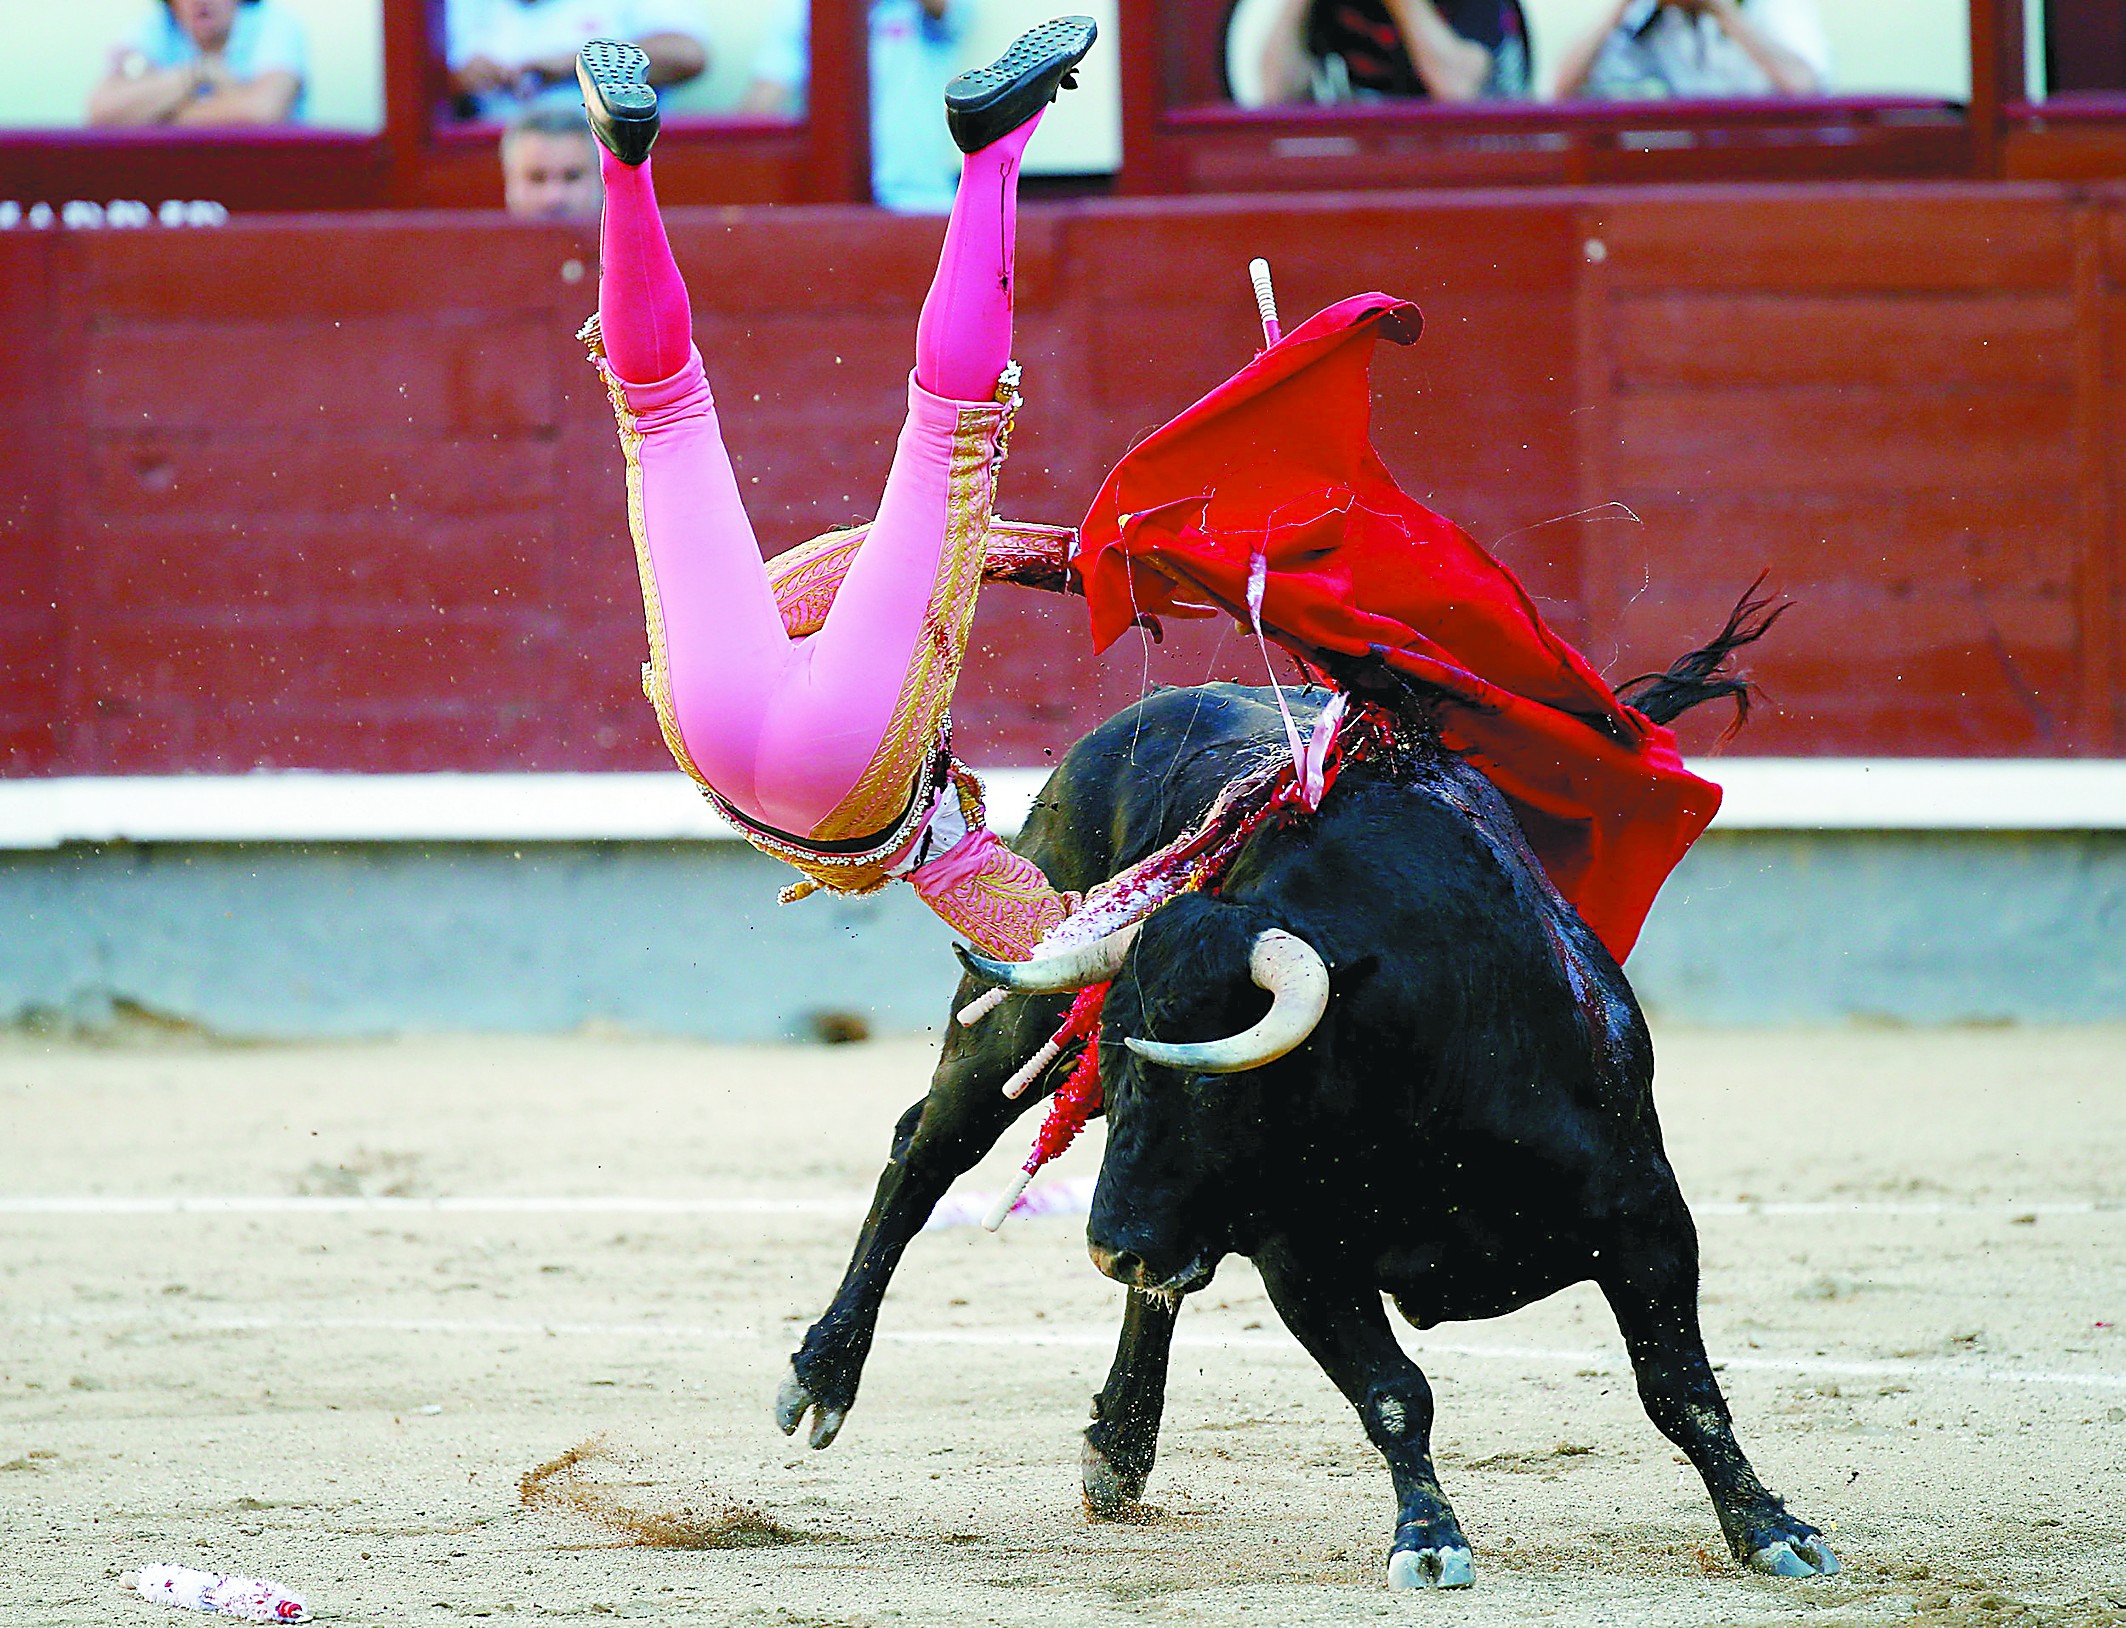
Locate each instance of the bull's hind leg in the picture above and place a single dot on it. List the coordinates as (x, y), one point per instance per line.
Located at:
(937, 1141)
(1123, 1438)
(1651, 1281)
(1345, 1328)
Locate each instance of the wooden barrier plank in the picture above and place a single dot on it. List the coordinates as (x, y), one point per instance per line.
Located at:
(184, 567)
(1989, 541)
(411, 373)
(32, 476)
(312, 268)
(334, 664)
(1928, 673)
(1962, 341)
(272, 470)
(1888, 236)
(1818, 437)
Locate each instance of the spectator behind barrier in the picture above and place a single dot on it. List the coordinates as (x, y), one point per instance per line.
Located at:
(507, 55)
(1355, 50)
(1656, 48)
(914, 166)
(550, 166)
(205, 62)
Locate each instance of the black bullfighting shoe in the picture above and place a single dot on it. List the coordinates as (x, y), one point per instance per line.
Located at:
(985, 103)
(617, 97)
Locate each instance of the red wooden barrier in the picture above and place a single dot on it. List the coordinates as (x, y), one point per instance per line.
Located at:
(339, 492)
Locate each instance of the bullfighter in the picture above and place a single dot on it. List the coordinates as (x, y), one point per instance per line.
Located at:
(809, 699)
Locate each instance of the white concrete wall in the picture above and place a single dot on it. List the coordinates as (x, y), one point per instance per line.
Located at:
(1756, 927)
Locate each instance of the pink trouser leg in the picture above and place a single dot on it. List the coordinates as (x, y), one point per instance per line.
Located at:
(963, 336)
(717, 645)
(642, 299)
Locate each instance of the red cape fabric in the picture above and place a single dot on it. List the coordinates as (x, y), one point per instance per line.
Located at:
(1278, 461)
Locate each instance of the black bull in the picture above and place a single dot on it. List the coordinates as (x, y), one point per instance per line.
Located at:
(1469, 1129)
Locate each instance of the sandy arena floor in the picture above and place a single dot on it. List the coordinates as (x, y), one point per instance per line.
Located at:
(1928, 1355)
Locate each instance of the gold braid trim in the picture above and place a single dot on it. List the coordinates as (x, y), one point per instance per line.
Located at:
(657, 671)
(806, 578)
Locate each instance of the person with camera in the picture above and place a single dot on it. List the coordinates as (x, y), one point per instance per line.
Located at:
(1646, 49)
(1367, 50)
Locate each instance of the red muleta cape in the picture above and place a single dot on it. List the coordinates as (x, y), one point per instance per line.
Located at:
(1278, 461)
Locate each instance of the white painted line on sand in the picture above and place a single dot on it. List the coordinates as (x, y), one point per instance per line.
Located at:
(98, 1204)
(1776, 1207)
(533, 1204)
(1607, 1362)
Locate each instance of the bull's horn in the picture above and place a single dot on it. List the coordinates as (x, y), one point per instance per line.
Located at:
(1297, 978)
(1078, 968)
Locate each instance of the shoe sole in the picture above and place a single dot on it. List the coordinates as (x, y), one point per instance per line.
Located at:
(620, 74)
(1057, 46)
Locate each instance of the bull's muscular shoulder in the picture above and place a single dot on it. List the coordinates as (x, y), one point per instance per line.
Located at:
(1145, 775)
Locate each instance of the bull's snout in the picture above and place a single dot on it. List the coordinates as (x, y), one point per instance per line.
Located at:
(1128, 1267)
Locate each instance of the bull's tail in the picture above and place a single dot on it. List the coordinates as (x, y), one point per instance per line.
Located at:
(1703, 674)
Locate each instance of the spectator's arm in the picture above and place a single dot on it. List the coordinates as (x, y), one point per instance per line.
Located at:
(480, 73)
(1789, 74)
(266, 98)
(1577, 60)
(1287, 69)
(131, 93)
(673, 57)
(1453, 68)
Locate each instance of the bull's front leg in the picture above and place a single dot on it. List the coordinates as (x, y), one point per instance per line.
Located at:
(1123, 1438)
(1345, 1328)
(936, 1142)
(1650, 1278)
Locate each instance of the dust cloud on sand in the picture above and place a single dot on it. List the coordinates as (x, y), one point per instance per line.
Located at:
(1915, 1278)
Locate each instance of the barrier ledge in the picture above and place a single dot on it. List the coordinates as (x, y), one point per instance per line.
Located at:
(1764, 794)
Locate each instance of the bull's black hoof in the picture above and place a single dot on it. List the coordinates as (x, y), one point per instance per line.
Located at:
(1111, 1492)
(793, 1401)
(1780, 1545)
(1431, 1568)
(983, 104)
(617, 98)
(1796, 1556)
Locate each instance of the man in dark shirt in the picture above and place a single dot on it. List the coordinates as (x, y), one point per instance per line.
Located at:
(1352, 50)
